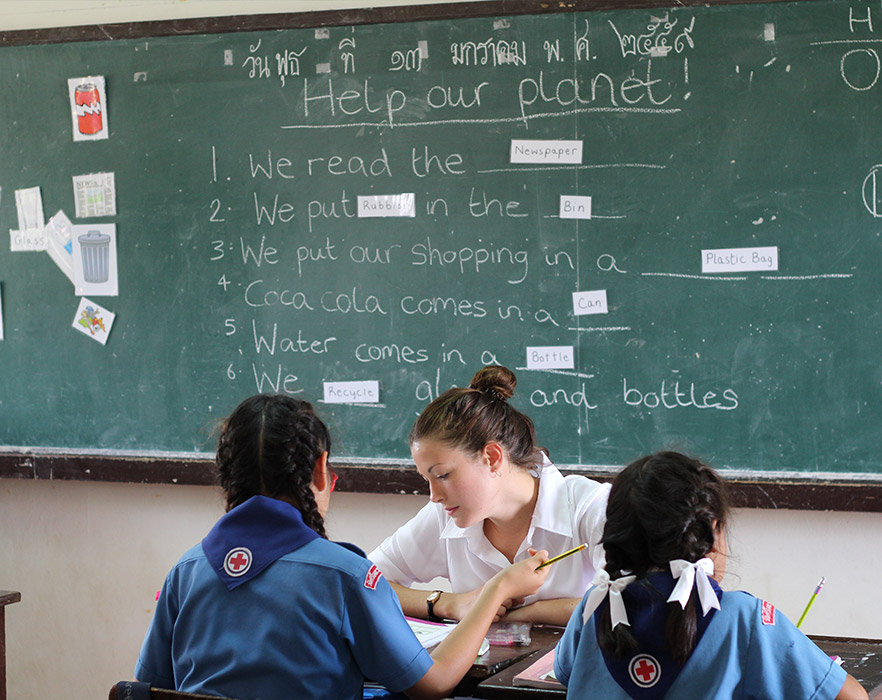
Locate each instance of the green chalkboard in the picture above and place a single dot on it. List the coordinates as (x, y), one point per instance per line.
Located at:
(244, 264)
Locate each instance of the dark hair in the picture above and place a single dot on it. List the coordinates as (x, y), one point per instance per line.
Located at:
(661, 507)
(268, 446)
(469, 418)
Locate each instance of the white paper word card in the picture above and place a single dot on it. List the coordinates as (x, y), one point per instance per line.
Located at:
(541, 151)
(352, 392)
(551, 357)
(740, 260)
(382, 205)
(572, 207)
(593, 302)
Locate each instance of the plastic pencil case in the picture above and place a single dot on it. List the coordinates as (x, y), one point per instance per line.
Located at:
(509, 633)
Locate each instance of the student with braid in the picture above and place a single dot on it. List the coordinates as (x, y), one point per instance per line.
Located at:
(655, 624)
(494, 497)
(266, 607)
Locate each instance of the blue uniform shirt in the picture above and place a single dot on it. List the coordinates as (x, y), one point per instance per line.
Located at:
(312, 624)
(748, 650)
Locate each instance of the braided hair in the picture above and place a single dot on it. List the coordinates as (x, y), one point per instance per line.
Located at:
(661, 507)
(469, 418)
(269, 446)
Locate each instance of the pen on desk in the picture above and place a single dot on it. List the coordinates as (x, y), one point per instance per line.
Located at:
(811, 601)
(548, 562)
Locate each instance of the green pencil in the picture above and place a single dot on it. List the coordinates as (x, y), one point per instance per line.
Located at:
(811, 602)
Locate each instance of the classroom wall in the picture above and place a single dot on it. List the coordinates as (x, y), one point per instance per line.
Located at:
(89, 557)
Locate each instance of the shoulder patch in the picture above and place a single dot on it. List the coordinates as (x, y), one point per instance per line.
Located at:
(372, 578)
(768, 613)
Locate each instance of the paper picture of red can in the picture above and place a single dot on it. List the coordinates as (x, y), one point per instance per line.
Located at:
(93, 320)
(94, 259)
(88, 102)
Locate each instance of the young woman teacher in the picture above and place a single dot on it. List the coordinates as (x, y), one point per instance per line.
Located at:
(494, 498)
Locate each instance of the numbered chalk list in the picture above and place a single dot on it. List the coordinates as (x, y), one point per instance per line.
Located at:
(667, 221)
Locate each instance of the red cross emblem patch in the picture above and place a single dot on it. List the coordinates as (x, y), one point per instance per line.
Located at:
(644, 670)
(238, 561)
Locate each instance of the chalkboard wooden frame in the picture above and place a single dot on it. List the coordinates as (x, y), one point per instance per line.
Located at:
(769, 491)
(763, 490)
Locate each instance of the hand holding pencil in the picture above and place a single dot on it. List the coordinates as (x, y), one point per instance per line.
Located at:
(551, 561)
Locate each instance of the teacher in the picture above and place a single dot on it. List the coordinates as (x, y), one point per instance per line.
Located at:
(494, 498)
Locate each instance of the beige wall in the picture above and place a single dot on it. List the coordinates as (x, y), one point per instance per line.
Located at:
(89, 557)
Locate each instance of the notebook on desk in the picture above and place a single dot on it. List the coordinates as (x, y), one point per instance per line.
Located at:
(539, 674)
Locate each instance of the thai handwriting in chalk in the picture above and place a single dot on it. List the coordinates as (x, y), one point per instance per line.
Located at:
(347, 56)
(582, 47)
(410, 60)
(258, 65)
(496, 52)
(288, 63)
(656, 40)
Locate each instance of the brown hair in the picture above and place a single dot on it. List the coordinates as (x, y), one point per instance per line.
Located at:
(469, 418)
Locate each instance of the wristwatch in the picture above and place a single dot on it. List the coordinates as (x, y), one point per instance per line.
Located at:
(431, 599)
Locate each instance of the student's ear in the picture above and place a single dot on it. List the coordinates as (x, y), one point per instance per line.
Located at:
(494, 457)
(320, 474)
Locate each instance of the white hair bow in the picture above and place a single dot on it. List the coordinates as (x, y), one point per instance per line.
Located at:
(602, 587)
(684, 572)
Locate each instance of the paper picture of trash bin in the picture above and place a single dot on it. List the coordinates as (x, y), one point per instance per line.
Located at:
(94, 257)
(88, 108)
(93, 320)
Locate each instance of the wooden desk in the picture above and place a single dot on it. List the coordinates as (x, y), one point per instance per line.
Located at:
(499, 658)
(862, 658)
(6, 598)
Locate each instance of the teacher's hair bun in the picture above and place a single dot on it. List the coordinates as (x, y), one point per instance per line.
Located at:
(495, 380)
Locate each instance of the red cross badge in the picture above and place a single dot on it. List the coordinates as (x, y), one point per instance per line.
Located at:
(768, 613)
(372, 578)
(644, 670)
(238, 561)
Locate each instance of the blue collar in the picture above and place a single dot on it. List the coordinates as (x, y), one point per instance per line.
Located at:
(649, 673)
(252, 536)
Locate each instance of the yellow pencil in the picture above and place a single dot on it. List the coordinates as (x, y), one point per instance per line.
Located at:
(561, 556)
(810, 603)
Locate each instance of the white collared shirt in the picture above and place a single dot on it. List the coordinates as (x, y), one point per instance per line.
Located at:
(569, 511)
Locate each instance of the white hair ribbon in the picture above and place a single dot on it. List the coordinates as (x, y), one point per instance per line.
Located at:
(602, 587)
(684, 572)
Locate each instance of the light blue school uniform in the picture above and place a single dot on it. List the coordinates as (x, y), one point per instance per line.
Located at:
(747, 651)
(311, 623)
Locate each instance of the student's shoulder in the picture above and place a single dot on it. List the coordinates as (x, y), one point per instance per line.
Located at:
(581, 489)
(321, 553)
(751, 611)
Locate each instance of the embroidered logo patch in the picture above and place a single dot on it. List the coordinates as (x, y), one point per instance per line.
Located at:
(238, 561)
(644, 670)
(768, 613)
(372, 578)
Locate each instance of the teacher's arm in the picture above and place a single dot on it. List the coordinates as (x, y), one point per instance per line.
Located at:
(450, 606)
(555, 611)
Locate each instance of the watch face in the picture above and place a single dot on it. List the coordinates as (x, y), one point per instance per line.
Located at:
(433, 596)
